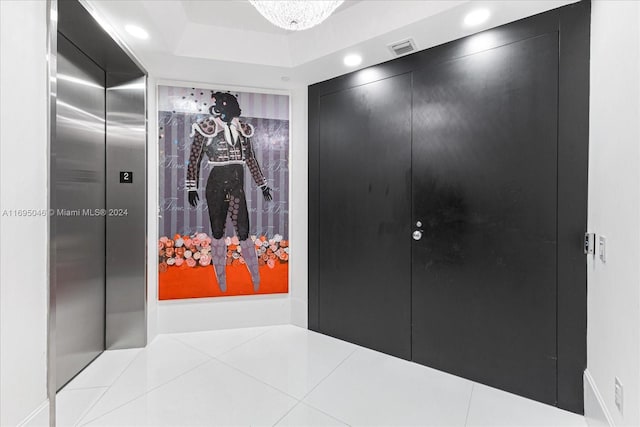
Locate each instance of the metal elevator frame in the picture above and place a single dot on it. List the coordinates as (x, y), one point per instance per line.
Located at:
(126, 150)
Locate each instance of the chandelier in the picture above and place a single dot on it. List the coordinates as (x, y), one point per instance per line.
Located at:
(296, 15)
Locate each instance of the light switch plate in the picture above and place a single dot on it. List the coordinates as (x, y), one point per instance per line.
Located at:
(589, 243)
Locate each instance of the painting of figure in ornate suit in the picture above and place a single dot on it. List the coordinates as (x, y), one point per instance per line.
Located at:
(224, 228)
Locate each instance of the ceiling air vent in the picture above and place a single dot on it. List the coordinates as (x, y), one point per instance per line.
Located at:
(402, 47)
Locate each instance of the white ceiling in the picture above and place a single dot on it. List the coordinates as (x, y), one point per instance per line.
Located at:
(229, 42)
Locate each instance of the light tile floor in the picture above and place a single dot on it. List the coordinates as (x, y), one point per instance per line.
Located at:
(285, 376)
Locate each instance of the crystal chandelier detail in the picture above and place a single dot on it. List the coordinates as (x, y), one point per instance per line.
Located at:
(296, 15)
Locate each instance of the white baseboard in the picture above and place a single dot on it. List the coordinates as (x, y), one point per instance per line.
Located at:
(38, 418)
(596, 412)
(208, 314)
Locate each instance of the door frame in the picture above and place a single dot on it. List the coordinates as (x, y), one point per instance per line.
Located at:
(572, 23)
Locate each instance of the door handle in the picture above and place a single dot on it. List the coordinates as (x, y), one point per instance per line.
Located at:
(417, 235)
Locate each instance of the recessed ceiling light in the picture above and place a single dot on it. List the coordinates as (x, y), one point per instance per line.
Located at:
(136, 31)
(352, 60)
(476, 17)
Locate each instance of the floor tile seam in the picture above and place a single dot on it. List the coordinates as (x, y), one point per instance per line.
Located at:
(146, 392)
(244, 342)
(191, 347)
(86, 388)
(325, 413)
(246, 374)
(330, 373)
(298, 403)
(224, 352)
(127, 366)
(86, 411)
(466, 418)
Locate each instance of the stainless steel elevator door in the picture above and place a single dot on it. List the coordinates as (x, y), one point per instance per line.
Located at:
(79, 240)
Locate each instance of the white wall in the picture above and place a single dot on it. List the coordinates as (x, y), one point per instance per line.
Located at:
(152, 213)
(23, 185)
(613, 332)
(299, 218)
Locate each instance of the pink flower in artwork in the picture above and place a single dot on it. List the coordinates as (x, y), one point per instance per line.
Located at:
(201, 236)
(273, 248)
(188, 254)
(197, 255)
(162, 267)
(271, 263)
(164, 239)
(169, 252)
(191, 262)
(235, 240)
(205, 260)
(179, 262)
(180, 252)
(195, 242)
(169, 243)
(204, 244)
(171, 261)
(160, 245)
(187, 242)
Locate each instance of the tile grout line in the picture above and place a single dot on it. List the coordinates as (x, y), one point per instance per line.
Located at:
(147, 392)
(269, 329)
(210, 357)
(315, 409)
(245, 342)
(215, 358)
(286, 413)
(86, 388)
(329, 374)
(246, 374)
(282, 391)
(466, 418)
(300, 401)
(323, 380)
(85, 413)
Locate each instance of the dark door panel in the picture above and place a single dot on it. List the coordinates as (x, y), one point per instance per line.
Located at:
(365, 211)
(485, 189)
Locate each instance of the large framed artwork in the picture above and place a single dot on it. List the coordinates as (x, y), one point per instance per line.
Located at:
(224, 192)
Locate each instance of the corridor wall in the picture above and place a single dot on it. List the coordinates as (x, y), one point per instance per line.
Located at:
(613, 335)
(23, 185)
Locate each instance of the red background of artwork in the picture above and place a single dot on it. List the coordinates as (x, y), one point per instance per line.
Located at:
(200, 282)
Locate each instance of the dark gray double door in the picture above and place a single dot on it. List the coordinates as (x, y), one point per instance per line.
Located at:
(437, 213)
